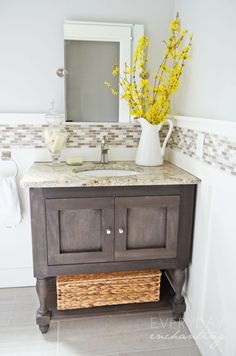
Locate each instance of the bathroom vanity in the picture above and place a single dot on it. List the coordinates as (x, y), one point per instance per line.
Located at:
(89, 222)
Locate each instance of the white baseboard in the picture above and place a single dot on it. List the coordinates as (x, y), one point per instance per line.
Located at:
(16, 277)
(206, 340)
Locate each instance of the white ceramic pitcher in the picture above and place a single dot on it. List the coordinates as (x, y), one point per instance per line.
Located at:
(150, 152)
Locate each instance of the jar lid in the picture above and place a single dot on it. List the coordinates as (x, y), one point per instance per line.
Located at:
(53, 117)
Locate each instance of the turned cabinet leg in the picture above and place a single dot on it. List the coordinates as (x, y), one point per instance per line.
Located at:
(43, 313)
(177, 277)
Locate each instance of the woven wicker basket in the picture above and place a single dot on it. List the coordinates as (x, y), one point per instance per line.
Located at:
(86, 291)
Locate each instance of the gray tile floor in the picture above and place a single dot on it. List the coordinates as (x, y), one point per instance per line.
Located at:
(141, 334)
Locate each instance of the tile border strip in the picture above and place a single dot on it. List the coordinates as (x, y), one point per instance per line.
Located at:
(219, 150)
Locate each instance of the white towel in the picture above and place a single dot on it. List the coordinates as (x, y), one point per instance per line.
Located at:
(10, 212)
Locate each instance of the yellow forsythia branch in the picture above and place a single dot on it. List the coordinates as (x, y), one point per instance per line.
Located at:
(150, 97)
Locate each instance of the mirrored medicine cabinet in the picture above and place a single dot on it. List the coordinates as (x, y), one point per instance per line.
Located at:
(91, 48)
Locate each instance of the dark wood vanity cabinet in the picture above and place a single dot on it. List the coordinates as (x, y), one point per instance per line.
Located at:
(105, 229)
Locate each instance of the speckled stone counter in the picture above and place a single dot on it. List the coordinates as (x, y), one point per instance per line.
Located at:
(45, 175)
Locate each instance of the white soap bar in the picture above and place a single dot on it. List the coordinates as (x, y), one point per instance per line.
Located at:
(74, 161)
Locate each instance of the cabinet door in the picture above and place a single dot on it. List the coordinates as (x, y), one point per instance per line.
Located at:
(146, 227)
(80, 230)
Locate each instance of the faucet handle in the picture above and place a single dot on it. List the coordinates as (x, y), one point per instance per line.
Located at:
(104, 150)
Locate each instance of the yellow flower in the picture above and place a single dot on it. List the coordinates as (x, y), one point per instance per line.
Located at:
(143, 83)
(175, 25)
(183, 33)
(115, 71)
(151, 98)
(143, 74)
(164, 68)
(126, 96)
(129, 70)
(107, 84)
(143, 44)
(114, 92)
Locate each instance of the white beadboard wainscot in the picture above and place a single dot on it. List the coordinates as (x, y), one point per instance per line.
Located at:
(211, 284)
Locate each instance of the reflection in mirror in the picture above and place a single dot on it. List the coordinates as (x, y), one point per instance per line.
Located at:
(91, 48)
(88, 64)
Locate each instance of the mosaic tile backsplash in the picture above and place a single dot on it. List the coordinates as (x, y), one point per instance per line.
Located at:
(219, 151)
(31, 136)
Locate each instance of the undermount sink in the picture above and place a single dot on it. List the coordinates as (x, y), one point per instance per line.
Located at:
(108, 173)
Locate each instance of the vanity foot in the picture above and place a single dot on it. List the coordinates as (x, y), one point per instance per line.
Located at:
(43, 321)
(178, 309)
(178, 317)
(44, 328)
(177, 278)
(43, 315)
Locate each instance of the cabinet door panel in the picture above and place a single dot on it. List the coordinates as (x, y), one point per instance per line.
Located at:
(146, 227)
(81, 223)
(137, 234)
(77, 230)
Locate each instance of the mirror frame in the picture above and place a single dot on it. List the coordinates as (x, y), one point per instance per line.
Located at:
(126, 34)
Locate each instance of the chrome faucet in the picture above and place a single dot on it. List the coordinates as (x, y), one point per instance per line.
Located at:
(104, 150)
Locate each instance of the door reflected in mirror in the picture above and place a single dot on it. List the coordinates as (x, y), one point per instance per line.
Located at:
(88, 64)
(91, 48)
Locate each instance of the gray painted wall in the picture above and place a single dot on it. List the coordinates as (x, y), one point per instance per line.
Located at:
(209, 85)
(31, 40)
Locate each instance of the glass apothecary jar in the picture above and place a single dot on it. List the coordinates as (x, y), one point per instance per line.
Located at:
(55, 134)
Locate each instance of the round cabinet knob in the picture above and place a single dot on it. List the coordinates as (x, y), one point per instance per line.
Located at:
(108, 231)
(121, 231)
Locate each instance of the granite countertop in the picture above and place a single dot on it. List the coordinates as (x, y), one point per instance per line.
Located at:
(48, 175)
